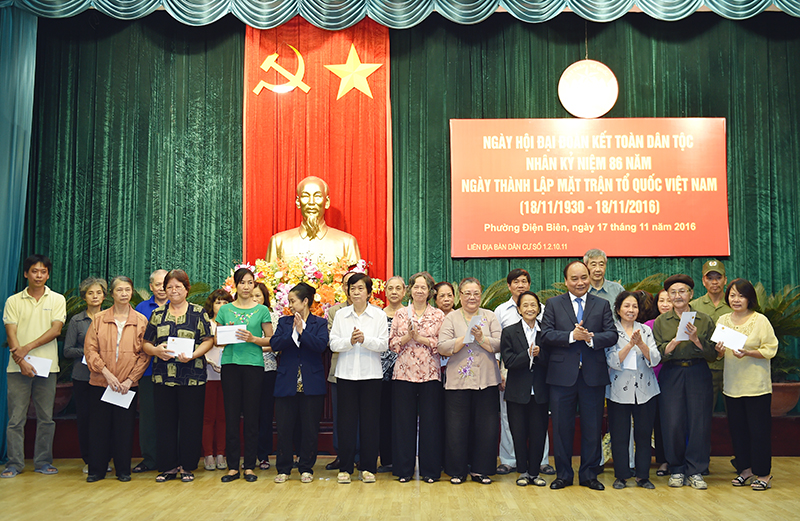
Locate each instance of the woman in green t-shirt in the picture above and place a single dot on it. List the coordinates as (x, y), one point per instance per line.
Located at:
(242, 373)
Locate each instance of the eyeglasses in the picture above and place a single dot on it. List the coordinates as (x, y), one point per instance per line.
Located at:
(471, 295)
(679, 292)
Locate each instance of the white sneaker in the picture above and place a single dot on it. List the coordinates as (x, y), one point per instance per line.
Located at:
(676, 480)
(697, 481)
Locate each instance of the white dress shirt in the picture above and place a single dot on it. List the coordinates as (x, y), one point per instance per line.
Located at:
(361, 361)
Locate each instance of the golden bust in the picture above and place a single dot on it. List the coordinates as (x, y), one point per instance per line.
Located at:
(313, 235)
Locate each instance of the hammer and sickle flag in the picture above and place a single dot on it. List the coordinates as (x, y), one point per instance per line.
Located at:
(303, 119)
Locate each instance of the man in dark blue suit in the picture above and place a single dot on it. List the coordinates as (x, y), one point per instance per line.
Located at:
(576, 329)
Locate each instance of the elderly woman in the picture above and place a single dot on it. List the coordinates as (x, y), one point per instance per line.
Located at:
(359, 335)
(395, 293)
(267, 407)
(527, 396)
(179, 378)
(300, 386)
(243, 373)
(471, 337)
(747, 386)
(115, 356)
(632, 391)
(444, 296)
(214, 410)
(93, 292)
(417, 389)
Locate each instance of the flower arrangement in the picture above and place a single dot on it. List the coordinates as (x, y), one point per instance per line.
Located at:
(326, 277)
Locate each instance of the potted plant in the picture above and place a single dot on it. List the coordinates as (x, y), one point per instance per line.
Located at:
(783, 311)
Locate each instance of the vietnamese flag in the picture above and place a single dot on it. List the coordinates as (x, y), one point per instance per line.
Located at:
(322, 109)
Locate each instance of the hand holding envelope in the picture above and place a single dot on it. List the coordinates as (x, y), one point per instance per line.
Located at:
(729, 338)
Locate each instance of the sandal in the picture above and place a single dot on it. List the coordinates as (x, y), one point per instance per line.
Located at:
(141, 467)
(456, 480)
(429, 479)
(523, 481)
(760, 484)
(187, 476)
(662, 472)
(404, 479)
(740, 481)
(47, 469)
(538, 481)
(481, 478)
(166, 476)
(10, 472)
(264, 465)
(210, 464)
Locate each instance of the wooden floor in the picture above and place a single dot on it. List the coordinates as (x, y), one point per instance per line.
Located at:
(68, 496)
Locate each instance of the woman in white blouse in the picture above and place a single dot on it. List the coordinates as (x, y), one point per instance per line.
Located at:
(359, 334)
(633, 385)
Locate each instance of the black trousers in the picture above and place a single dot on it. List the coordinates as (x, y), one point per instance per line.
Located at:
(266, 414)
(409, 401)
(110, 433)
(359, 403)
(619, 425)
(288, 411)
(564, 404)
(81, 393)
(685, 402)
(658, 436)
(475, 412)
(386, 423)
(179, 422)
(528, 424)
(750, 423)
(241, 393)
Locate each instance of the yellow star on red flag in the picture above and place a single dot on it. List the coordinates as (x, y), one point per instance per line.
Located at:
(353, 73)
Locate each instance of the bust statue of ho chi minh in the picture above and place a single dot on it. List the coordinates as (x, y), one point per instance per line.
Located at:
(313, 235)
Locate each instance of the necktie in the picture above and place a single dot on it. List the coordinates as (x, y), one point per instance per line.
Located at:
(580, 309)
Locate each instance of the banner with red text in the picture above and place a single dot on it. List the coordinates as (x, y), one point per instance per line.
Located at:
(316, 103)
(643, 187)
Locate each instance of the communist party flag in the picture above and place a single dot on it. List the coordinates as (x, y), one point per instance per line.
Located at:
(316, 102)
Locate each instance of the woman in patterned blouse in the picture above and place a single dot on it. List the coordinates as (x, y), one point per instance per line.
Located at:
(179, 389)
(470, 336)
(416, 387)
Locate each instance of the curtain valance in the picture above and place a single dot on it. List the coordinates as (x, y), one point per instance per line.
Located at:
(395, 14)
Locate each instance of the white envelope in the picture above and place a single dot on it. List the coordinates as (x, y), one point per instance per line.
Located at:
(476, 321)
(731, 338)
(180, 345)
(118, 399)
(630, 360)
(41, 365)
(687, 317)
(227, 334)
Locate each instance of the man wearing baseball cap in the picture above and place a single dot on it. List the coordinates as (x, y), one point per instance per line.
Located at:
(713, 304)
(685, 380)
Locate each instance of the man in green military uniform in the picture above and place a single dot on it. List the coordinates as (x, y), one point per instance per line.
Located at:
(713, 304)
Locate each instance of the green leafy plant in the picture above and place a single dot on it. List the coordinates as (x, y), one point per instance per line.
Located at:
(782, 308)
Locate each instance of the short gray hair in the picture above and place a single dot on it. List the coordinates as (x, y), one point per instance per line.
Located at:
(157, 272)
(594, 253)
(89, 282)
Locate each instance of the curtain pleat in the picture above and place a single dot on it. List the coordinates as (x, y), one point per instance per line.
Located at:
(17, 71)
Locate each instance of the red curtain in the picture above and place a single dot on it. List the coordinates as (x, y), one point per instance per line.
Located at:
(291, 135)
